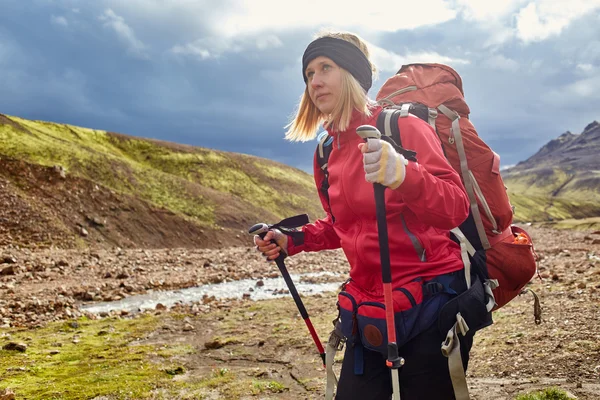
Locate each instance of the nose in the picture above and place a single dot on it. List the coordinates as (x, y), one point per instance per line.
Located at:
(316, 81)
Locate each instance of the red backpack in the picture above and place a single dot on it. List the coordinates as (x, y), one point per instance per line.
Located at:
(433, 92)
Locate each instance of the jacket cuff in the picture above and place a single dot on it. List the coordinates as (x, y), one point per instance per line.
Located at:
(295, 243)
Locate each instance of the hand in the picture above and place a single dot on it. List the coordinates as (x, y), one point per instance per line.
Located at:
(271, 250)
(382, 163)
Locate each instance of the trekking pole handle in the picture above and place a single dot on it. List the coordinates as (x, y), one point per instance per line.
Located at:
(261, 230)
(368, 132)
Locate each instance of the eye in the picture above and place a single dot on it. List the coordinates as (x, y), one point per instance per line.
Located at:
(309, 74)
(326, 67)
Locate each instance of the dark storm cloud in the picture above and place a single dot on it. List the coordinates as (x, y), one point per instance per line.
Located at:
(148, 70)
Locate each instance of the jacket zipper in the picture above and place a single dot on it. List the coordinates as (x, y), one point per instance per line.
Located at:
(415, 241)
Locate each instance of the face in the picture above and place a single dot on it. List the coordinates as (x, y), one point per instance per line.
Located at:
(324, 80)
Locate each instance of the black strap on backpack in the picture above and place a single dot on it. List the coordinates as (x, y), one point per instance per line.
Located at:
(387, 124)
(323, 151)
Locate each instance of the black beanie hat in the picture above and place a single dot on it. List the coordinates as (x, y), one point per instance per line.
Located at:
(344, 54)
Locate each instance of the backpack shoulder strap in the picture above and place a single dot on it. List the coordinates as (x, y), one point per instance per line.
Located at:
(387, 123)
(322, 155)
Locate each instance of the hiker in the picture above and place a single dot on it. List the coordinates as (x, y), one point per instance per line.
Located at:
(424, 200)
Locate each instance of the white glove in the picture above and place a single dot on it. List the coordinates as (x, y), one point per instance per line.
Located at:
(382, 163)
(271, 250)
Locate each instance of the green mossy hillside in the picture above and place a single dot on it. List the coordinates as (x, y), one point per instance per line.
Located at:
(213, 188)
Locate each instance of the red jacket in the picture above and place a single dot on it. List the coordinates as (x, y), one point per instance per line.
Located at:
(430, 202)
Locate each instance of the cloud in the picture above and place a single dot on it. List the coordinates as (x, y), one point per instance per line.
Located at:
(389, 61)
(59, 20)
(588, 88)
(528, 20)
(389, 15)
(126, 35)
(585, 68)
(486, 10)
(539, 20)
(270, 41)
(215, 47)
(500, 62)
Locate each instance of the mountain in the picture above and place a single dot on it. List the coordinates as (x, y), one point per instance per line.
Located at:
(69, 186)
(561, 180)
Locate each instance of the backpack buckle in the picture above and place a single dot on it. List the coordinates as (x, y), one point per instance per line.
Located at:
(336, 337)
(433, 288)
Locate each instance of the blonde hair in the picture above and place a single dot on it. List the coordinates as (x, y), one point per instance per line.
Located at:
(308, 118)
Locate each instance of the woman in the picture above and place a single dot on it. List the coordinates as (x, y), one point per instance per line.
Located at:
(424, 200)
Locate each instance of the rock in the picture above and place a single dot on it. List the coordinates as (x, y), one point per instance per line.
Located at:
(59, 169)
(22, 347)
(8, 260)
(83, 231)
(10, 270)
(160, 306)
(215, 344)
(188, 327)
(175, 371)
(260, 283)
(7, 394)
(596, 241)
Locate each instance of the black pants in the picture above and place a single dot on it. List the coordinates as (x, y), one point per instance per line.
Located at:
(424, 376)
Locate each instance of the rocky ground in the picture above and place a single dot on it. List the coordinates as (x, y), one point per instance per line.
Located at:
(38, 286)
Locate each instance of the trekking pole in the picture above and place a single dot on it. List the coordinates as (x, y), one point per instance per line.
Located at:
(394, 362)
(292, 222)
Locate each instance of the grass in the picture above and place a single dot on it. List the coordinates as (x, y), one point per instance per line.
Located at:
(191, 181)
(551, 194)
(546, 394)
(90, 359)
(586, 224)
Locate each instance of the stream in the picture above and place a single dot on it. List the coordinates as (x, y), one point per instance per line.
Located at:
(245, 288)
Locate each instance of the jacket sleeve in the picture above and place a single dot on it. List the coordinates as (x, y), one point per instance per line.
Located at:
(432, 189)
(320, 234)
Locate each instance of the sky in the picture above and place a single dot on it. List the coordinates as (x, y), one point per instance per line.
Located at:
(226, 74)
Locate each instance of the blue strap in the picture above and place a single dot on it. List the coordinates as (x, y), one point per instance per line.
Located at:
(359, 363)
